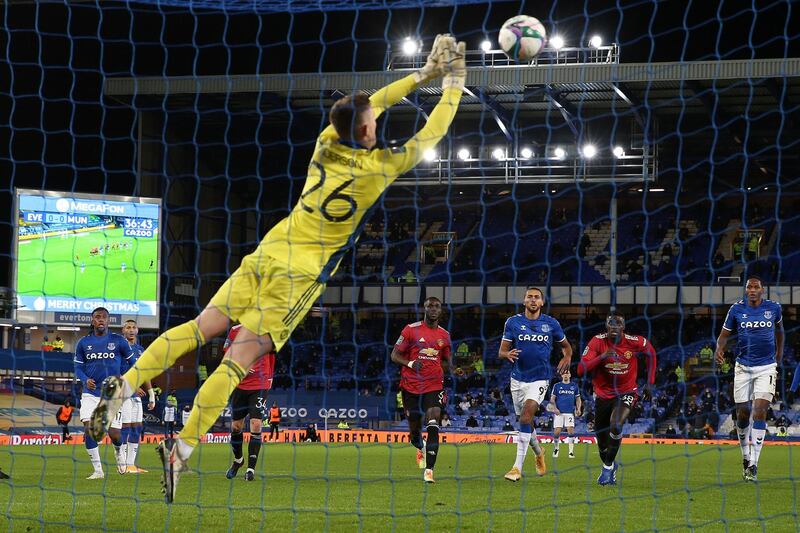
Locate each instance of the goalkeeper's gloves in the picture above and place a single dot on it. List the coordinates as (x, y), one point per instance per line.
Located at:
(454, 64)
(432, 68)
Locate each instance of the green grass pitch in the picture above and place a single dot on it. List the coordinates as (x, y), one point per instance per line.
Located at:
(48, 267)
(377, 487)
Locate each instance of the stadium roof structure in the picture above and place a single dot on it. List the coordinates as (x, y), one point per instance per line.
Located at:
(725, 109)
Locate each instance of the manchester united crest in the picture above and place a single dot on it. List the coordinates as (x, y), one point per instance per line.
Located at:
(628, 354)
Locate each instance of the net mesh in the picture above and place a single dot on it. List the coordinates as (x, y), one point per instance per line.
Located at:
(651, 173)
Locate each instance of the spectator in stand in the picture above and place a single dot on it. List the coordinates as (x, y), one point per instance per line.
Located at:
(708, 401)
(465, 404)
(58, 344)
(507, 426)
(446, 422)
(472, 422)
(783, 421)
(706, 355)
(671, 431)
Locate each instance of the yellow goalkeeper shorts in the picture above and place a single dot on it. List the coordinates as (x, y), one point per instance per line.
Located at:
(265, 297)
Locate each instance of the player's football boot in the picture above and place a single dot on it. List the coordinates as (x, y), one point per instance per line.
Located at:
(121, 456)
(555, 452)
(111, 400)
(131, 470)
(427, 476)
(572, 455)
(96, 475)
(541, 464)
(513, 475)
(751, 474)
(250, 475)
(140, 470)
(420, 459)
(231, 473)
(172, 465)
(745, 468)
(608, 476)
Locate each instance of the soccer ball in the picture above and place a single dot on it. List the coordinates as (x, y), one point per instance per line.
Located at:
(522, 37)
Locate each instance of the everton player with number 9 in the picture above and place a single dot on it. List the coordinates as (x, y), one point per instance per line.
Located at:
(612, 356)
(528, 340)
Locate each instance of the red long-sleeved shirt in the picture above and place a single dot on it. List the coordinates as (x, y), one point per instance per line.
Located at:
(616, 375)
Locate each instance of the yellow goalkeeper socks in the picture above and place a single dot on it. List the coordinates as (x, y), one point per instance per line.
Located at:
(163, 353)
(211, 399)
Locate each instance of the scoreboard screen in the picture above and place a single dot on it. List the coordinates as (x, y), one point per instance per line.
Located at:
(75, 252)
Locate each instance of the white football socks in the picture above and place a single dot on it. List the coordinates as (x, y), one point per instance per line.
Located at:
(758, 442)
(94, 457)
(523, 441)
(133, 448)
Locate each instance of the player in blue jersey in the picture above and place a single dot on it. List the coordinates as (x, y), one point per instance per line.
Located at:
(98, 356)
(758, 324)
(132, 414)
(796, 380)
(528, 340)
(566, 400)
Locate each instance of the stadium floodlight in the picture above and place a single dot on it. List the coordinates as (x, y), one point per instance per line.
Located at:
(596, 41)
(589, 151)
(526, 153)
(656, 190)
(486, 45)
(619, 152)
(463, 154)
(559, 153)
(498, 153)
(429, 155)
(410, 46)
(557, 42)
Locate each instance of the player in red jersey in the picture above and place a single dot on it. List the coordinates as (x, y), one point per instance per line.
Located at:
(613, 358)
(249, 397)
(423, 350)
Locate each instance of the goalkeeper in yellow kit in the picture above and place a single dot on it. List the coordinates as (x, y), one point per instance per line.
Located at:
(273, 289)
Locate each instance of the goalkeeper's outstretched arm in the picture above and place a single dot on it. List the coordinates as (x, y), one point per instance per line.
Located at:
(397, 90)
(400, 161)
